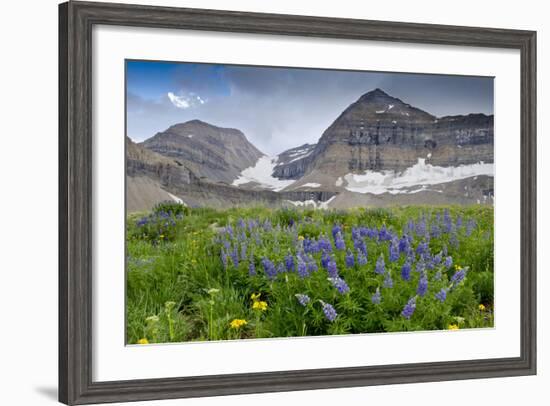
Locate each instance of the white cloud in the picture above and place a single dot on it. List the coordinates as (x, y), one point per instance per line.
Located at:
(181, 102)
(185, 100)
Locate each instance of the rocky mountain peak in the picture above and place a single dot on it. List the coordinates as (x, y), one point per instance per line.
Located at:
(212, 152)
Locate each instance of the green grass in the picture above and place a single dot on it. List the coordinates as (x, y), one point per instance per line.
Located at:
(179, 290)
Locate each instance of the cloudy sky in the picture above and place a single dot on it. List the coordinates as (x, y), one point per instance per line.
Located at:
(280, 108)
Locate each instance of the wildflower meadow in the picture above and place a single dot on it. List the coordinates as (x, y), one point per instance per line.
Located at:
(198, 274)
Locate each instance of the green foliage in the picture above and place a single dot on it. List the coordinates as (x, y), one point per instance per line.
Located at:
(171, 207)
(178, 288)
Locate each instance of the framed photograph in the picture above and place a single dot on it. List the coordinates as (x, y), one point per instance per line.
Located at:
(259, 203)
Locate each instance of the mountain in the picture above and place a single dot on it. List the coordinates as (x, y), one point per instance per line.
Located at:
(380, 151)
(379, 132)
(214, 153)
(152, 178)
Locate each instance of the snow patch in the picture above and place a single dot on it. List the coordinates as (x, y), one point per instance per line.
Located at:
(390, 106)
(190, 135)
(313, 203)
(301, 156)
(176, 199)
(380, 111)
(310, 184)
(420, 174)
(339, 182)
(261, 173)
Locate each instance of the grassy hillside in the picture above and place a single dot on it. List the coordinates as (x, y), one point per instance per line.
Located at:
(205, 274)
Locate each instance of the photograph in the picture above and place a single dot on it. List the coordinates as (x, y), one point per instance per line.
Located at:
(267, 202)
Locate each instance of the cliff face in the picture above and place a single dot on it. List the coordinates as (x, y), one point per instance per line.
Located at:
(379, 132)
(293, 163)
(218, 154)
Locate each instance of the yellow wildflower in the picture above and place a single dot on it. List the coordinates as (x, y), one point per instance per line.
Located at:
(301, 237)
(259, 305)
(143, 341)
(255, 296)
(452, 327)
(237, 323)
(481, 307)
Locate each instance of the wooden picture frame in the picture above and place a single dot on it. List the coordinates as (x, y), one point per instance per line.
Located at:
(76, 20)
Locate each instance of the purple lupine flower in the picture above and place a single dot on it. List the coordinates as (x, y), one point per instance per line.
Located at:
(448, 262)
(251, 267)
(447, 221)
(339, 284)
(142, 221)
(377, 297)
(383, 234)
(281, 268)
(339, 242)
(406, 271)
(332, 269)
(437, 259)
(404, 244)
(420, 266)
(380, 265)
(437, 276)
(360, 246)
(444, 250)
(388, 281)
(422, 285)
(372, 232)
(223, 256)
(409, 308)
(302, 269)
(311, 265)
(458, 276)
(459, 221)
(336, 229)
(303, 299)
(241, 223)
(289, 262)
(269, 268)
(410, 226)
(325, 259)
(311, 246)
(267, 225)
(429, 261)
(324, 244)
(350, 259)
(422, 248)
(361, 259)
(229, 231)
(394, 250)
(435, 231)
(441, 295)
(330, 311)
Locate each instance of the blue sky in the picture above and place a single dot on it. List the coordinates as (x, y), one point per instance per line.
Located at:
(279, 108)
